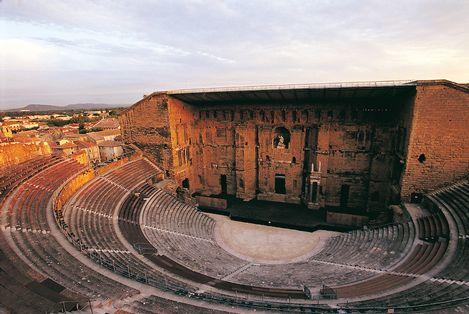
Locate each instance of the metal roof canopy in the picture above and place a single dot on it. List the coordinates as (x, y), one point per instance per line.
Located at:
(295, 93)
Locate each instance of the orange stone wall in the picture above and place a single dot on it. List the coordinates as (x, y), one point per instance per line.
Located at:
(181, 118)
(14, 152)
(73, 186)
(439, 130)
(354, 146)
(370, 145)
(352, 143)
(146, 125)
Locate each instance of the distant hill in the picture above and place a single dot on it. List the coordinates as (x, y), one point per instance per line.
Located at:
(85, 106)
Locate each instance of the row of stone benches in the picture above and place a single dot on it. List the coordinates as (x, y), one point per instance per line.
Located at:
(378, 248)
(180, 232)
(171, 215)
(45, 274)
(89, 216)
(27, 205)
(158, 305)
(185, 235)
(433, 227)
(45, 255)
(452, 290)
(164, 211)
(421, 260)
(12, 177)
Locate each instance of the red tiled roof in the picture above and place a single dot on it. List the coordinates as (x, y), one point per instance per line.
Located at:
(110, 123)
(84, 144)
(109, 144)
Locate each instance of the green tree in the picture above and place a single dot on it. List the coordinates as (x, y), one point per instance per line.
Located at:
(81, 129)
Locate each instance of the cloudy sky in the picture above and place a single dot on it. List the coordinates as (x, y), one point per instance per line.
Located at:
(114, 51)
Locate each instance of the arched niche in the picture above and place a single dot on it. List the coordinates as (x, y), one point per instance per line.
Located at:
(281, 138)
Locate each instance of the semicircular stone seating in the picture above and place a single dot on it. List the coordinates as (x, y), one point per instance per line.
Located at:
(90, 213)
(449, 287)
(11, 177)
(146, 234)
(186, 235)
(36, 272)
(379, 260)
(362, 264)
(155, 304)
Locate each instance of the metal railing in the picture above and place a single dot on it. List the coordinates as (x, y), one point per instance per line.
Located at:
(274, 87)
(72, 306)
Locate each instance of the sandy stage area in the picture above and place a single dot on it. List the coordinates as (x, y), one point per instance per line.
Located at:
(267, 245)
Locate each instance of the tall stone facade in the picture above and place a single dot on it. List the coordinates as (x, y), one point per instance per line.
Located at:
(355, 153)
(322, 154)
(146, 125)
(438, 149)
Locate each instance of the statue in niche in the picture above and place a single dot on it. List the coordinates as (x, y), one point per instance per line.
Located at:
(281, 138)
(279, 142)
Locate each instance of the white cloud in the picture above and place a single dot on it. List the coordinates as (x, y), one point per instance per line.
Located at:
(17, 54)
(67, 51)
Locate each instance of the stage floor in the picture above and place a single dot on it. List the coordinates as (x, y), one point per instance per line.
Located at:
(257, 243)
(283, 215)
